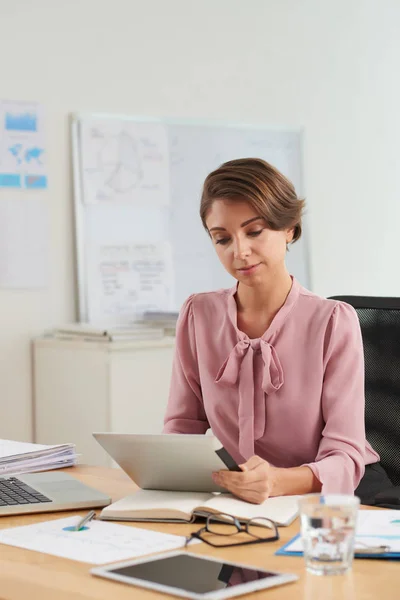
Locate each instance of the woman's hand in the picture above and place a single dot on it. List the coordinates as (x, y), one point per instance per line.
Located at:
(255, 484)
(259, 480)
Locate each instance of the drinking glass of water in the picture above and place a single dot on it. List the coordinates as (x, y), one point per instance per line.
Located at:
(328, 524)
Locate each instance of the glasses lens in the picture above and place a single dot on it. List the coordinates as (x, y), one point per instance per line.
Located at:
(222, 525)
(261, 528)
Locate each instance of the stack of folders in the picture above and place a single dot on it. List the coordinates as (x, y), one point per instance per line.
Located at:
(167, 320)
(22, 457)
(116, 333)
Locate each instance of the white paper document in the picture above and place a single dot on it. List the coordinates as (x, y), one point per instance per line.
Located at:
(362, 543)
(382, 524)
(130, 279)
(98, 543)
(374, 528)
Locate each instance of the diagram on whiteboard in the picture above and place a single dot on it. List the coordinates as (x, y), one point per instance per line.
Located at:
(124, 161)
(119, 160)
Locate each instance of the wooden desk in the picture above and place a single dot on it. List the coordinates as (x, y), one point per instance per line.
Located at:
(27, 575)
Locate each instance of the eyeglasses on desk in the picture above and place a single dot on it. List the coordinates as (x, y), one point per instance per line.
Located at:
(221, 527)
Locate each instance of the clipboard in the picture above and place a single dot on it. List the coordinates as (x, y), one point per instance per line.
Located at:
(285, 551)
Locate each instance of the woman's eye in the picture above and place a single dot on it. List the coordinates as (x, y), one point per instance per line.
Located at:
(255, 233)
(222, 241)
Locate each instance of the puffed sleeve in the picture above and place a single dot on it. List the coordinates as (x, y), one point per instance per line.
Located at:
(340, 462)
(185, 410)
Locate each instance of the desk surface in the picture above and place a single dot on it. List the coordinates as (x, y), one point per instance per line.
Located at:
(31, 575)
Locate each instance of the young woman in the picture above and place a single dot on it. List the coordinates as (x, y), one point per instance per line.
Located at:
(274, 370)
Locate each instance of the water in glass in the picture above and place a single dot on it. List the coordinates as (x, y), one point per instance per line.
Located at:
(328, 528)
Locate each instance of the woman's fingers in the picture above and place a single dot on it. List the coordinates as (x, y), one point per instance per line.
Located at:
(241, 479)
(249, 495)
(252, 484)
(253, 463)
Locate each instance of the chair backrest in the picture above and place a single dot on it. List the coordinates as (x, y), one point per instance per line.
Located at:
(380, 327)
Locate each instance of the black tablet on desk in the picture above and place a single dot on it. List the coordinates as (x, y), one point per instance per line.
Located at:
(193, 576)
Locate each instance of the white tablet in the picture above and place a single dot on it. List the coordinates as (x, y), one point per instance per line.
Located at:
(183, 463)
(193, 576)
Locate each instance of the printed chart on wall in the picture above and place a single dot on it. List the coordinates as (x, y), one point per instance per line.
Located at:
(140, 242)
(22, 148)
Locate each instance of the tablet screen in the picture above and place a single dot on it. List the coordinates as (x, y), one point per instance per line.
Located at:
(192, 574)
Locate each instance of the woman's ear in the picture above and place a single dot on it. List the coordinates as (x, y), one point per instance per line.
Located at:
(289, 235)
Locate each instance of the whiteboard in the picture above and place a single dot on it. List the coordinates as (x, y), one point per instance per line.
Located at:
(140, 242)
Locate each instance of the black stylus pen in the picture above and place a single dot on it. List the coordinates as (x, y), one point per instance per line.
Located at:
(227, 459)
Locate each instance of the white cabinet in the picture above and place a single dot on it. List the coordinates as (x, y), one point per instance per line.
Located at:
(82, 387)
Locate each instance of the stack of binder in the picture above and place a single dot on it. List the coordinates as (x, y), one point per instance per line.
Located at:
(165, 319)
(116, 333)
(22, 457)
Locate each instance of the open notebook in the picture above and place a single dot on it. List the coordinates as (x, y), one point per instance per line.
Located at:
(156, 505)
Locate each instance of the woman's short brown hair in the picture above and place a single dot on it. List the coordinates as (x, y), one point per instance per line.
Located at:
(257, 182)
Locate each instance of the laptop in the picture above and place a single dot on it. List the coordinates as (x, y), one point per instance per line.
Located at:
(46, 492)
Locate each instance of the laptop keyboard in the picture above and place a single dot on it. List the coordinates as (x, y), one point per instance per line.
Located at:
(13, 491)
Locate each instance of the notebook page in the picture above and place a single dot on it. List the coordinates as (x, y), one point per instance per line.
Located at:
(282, 509)
(146, 501)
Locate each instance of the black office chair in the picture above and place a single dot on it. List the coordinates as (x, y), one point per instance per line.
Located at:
(380, 327)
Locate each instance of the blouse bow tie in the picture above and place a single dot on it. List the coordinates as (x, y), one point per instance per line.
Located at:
(238, 368)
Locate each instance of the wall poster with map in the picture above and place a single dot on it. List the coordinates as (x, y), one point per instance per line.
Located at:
(22, 146)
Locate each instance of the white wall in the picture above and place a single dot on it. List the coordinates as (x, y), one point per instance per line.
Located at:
(330, 66)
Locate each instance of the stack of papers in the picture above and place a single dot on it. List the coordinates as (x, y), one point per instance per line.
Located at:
(165, 319)
(22, 457)
(116, 333)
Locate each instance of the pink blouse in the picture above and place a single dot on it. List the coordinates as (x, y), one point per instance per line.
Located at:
(294, 397)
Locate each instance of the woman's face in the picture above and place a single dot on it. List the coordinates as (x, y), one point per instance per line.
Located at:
(248, 250)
